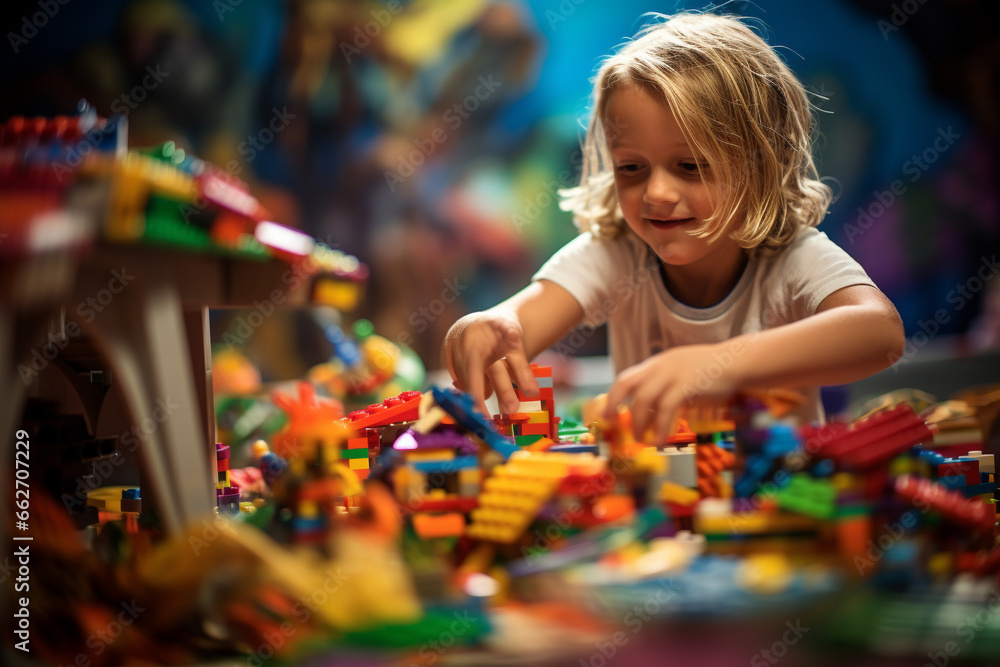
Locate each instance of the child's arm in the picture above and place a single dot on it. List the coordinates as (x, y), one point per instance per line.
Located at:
(494, 346)
(855, 332)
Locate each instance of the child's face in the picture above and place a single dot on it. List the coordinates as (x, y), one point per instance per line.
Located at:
(657, 179)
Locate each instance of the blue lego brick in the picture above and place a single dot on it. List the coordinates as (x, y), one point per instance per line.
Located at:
(781, 440)
(951, 481)
(574, 449)
(300, 524)
(824, 468)
(757, 467)
(459, 406)
(933, 458)
(978, 489)
(448, 465)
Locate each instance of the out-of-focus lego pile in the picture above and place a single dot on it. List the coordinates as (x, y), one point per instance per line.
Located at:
(421, 527)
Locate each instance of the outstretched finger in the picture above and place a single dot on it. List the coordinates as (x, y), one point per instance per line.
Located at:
(620, 390)
(644, 405)
(666, 421)
(476, 381)
(518, 365)
(506, 396)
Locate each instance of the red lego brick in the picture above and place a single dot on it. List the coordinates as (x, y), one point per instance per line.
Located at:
(588, 486)
(543, 428)
(374, 441)
(447, 505)
(541, 371)
(679, 511)
(988, 563)
(952, 505)
(869, 441)
(970, 469)
(510, 424)
(222, 465)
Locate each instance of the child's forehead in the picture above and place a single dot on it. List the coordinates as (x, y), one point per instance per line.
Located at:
(635, 108)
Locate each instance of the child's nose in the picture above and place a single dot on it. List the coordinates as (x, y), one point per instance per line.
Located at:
(661, 188)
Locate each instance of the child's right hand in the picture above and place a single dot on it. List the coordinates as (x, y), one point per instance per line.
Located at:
(485, 353)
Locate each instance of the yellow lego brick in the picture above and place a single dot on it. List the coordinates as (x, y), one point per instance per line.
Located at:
(507, 501)
(431, 455)
(538, 417)
(340, 294)
(671, 492)
(308, 509)
(469, 475)
(107, 498)
(751, 523)
(711, 426)
(358, 464)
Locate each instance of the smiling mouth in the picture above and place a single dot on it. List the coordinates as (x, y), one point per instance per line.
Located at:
(668, 223)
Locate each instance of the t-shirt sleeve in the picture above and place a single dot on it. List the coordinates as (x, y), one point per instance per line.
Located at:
(586, 267)
(813, 268)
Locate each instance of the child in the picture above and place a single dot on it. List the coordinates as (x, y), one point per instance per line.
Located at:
(697, 203)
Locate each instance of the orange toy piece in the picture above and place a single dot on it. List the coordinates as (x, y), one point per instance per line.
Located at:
(684, 435)
(619, 435)
(312, 421)
(543, 445)
(402, 408)
(779, 402)
(711, 460)
(430, 526)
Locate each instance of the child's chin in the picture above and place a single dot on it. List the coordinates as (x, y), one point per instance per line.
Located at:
(671, 255)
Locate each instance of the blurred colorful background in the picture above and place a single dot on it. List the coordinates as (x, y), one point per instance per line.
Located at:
(429, 137)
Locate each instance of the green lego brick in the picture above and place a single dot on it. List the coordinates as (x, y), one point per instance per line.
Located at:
(808, 496)
(569, 428)
(358, 453)
(525, 440)
(166, 224)
(848, 511)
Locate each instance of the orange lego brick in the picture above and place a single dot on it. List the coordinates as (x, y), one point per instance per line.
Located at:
(430, 526)
(357, 443)
(710, 461)
(404, 407)
(536, 429)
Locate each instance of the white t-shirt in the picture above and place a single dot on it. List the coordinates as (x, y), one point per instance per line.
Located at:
(618, 282)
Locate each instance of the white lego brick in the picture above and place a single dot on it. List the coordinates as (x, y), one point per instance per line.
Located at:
(682, 468)
(986, 462)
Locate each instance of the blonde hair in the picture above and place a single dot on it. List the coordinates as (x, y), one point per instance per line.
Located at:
(741, 109)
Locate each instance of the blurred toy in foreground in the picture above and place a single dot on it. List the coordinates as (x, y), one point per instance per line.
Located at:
(366, 368)
(219, 589)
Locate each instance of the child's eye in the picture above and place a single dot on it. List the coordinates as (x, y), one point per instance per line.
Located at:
(628, 168)
(692, 167)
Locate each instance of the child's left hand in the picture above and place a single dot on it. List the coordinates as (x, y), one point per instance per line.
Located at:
(673, 381)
